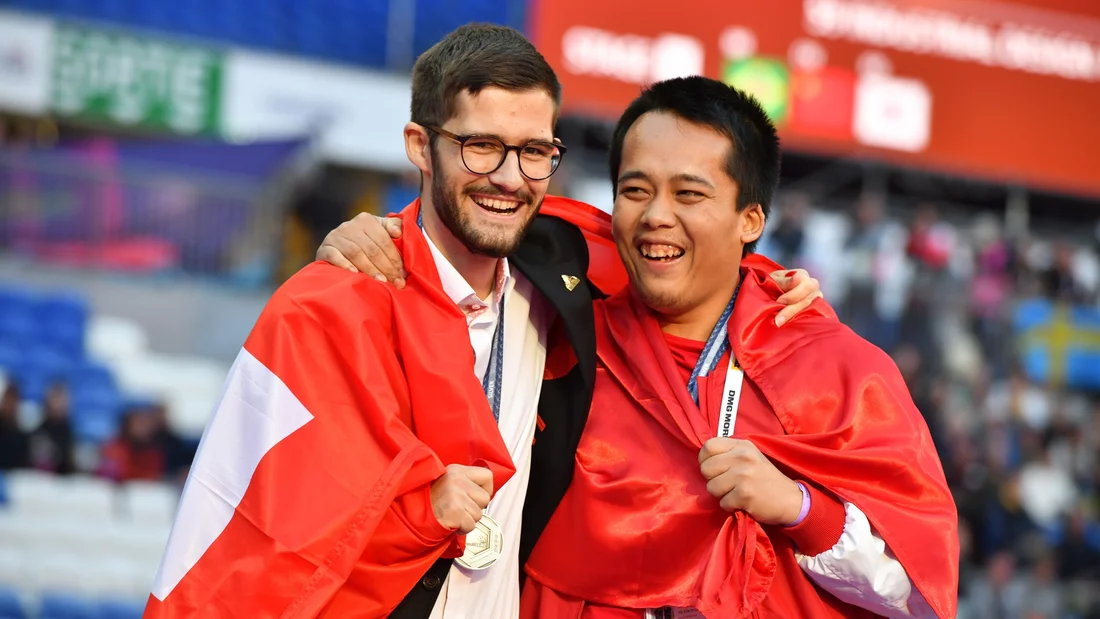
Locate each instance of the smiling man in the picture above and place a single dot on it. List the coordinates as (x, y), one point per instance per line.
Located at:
(357, 463)
(730, 468)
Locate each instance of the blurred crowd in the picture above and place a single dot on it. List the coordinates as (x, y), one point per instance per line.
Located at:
(145, 447)
(1020, 457)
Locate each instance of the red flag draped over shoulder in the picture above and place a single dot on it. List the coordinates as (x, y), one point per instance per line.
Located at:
(851, 427)
(335, 418)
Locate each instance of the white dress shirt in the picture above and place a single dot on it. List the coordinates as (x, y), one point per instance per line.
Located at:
(493, 593)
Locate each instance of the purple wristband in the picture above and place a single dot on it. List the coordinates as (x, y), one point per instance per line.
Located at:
(805, 505)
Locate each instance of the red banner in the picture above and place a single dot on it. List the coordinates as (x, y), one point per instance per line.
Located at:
(1006, 92)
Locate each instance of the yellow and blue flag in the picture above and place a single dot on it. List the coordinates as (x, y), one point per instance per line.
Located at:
(1059, 343)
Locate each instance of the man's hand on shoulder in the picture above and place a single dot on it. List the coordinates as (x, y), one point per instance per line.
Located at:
(799, 291)
(365, 244)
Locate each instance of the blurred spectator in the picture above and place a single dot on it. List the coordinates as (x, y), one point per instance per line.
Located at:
(14, 442)
(51, 444)
(136, 453)
(930, 240)
(1043, 595)
(789, 236)
(1079, 551)
(929, 250)
(1018, 399)
(1058, 281)
(989, 293)
(1047, 492)
(998, 594)
(927, 394)
(146, 448)
(178, 452)
(1006, 593)
(865, 253)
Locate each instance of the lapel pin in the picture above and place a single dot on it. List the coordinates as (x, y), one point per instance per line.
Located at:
(570, 281)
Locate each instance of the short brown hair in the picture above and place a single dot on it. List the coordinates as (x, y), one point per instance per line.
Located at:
(473, 57)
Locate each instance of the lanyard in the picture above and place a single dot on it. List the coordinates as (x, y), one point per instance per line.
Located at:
(494, 374)
(495, 369)
(717, 345)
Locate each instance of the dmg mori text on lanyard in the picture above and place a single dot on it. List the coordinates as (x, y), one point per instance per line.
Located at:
(717, 345)
(486, 542)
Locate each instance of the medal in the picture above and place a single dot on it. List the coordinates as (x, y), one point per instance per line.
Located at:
(483, 545)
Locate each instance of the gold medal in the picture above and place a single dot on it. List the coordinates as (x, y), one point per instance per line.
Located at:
(483, 545)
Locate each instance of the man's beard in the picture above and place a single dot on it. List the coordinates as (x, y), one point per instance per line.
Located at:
(661, 302)
(493, 243)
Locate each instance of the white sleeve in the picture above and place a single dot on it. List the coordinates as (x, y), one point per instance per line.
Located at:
(861, 571)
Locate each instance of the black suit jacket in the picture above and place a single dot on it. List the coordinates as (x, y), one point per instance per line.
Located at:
(552, 248)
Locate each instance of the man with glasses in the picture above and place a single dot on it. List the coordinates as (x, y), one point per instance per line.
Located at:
(356, 466)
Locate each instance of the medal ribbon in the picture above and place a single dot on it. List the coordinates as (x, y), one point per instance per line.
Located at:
(492, 381)
(717, 345)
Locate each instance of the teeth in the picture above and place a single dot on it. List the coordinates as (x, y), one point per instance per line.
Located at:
(657, 251)
(500, 206)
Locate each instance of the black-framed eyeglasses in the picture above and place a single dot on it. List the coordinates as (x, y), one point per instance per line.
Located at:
(482, 154)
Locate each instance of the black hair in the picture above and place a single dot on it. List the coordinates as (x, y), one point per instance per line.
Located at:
(754, 157)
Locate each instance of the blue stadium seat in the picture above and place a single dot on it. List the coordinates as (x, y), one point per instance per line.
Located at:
(18, 325)
(121, 609)
(397, 195)
(113, 10)
(40, 367)
(96, 402)
(96, 427)
(52, 362)
(32, 384)
(11, 356)
(10, 605)
(62, 321)
(66, 606)
(89, 376)
(35, 5)
(435, 18)
(10, 297)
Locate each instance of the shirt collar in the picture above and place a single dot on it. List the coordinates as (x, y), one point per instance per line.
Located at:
(460, 291)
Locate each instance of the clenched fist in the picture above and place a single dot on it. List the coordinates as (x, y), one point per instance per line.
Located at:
(460, 496)
(743, 478)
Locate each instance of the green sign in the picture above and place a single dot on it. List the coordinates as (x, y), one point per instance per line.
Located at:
(127, 80)
(767, 79)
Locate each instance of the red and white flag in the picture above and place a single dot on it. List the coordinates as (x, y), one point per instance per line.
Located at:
(315, 467)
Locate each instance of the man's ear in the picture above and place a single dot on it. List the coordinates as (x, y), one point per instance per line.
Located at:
(418, 147)
(752, 223)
